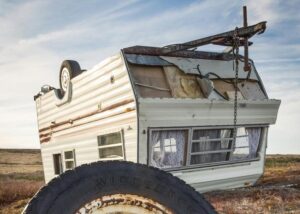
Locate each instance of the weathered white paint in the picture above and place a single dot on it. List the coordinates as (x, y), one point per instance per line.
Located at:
(170, 112)
(93, 91)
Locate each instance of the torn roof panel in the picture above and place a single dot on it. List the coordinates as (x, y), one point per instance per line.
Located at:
(146, 60)
(222, 68)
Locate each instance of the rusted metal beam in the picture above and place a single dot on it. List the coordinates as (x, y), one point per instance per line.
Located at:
(247, 67)
(157, 51)
(228, 42)
(248, 32)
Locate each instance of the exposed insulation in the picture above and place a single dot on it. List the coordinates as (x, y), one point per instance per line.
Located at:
(231, 95)
(181, 84)
(223, 87)
(170, 81)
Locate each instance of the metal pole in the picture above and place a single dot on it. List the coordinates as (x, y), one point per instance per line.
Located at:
(246, 50)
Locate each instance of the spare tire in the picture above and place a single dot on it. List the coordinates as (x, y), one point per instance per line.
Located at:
(117, 187)
(68, 70)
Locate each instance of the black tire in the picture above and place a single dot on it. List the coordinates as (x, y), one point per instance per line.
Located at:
(73, 68)
(75, 188)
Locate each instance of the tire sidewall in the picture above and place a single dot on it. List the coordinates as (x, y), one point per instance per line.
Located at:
(72, 191)
(73, 68)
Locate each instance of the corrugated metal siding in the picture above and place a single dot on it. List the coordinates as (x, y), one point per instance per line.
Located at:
(92, 91)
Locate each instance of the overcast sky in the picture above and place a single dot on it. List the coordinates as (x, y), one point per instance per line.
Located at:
(36, 36)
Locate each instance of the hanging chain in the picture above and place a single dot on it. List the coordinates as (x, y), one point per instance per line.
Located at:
(236, 44)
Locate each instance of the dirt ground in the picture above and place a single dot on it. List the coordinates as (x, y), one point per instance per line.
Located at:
(278, 191)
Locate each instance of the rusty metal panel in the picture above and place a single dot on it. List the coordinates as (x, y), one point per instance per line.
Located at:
(156, 51)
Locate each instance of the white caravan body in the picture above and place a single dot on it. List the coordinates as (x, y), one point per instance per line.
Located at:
(144, 107)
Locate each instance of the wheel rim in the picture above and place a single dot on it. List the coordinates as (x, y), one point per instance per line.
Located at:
(123, 204)
(65, 79)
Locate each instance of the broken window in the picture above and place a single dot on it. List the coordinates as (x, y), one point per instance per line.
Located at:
(210, 145)
(111, 146)
(69, 159)
(168, 148)
(247, 142)
(57, 164)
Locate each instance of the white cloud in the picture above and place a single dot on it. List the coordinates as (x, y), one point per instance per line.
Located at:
(264, 10)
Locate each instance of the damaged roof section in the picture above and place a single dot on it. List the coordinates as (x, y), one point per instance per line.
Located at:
(176, 71)
(222, 68)
(172, 77)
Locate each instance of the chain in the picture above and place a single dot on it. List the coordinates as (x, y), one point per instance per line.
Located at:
(236, 44)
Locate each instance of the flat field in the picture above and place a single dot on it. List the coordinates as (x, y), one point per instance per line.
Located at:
(278, 191)
(21, 175)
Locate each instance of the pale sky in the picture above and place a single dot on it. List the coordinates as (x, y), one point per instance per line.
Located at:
(36, 36)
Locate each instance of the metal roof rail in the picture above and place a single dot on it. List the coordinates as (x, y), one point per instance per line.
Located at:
(224, 39)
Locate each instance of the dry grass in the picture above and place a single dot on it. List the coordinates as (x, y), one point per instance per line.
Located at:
(278, 191)
(15, 207)
(256, 200)
(21, 176)
(14, 190)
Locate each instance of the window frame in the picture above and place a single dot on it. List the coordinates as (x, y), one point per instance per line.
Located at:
(187, 155)
(149, 152)
(112, 145)
(69, 159)
(60, 167)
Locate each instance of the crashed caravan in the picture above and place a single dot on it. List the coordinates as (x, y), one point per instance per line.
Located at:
(170, 107)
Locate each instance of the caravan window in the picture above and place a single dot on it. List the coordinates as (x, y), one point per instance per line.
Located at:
(69, 159)
(247, 143)
(210, 145)
(111, 146)
(168, 148)
(173, 148)
(57, 164)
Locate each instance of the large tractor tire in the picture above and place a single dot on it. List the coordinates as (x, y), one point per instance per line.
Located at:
(116, 187)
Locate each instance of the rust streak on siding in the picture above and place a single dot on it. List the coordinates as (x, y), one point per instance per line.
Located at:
(45, 137)
(88, 114)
